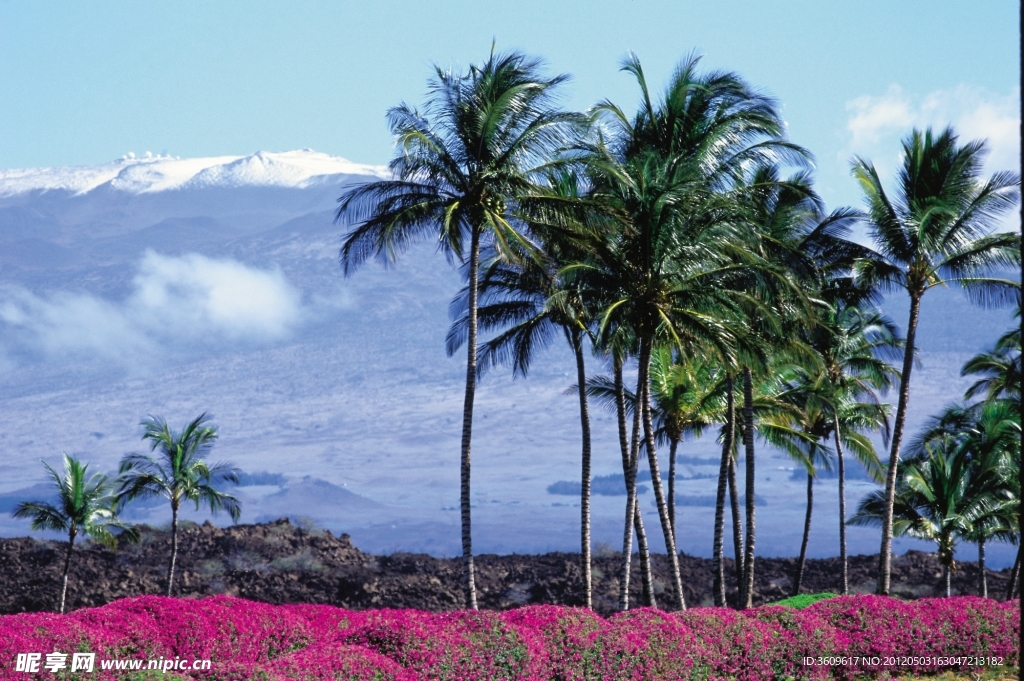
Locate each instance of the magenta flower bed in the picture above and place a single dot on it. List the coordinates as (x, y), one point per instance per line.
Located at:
(845, 637)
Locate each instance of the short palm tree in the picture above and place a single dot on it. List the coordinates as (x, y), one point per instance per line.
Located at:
(943, 494)
(687, 394)
(614, 395)
(989, 433)
(462, 165)
(178, 474)
(935, 230)
(688, 397)
(85, 506)
(855, 343)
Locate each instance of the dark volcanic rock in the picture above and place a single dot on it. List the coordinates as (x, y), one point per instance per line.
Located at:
(281, 563)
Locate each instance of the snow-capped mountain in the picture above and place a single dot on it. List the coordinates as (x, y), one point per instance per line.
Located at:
(171, 287)
(293, 169)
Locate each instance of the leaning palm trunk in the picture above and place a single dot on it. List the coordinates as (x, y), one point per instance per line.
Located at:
(737, 521)
(581, 377)
(672, 488)
(885, 552)
(845, 585)
(174, 547)
(67, 567)
(467, 422)
(747, 588)
(643, 389)
(634, 518)
(723, 474)
(1011, 588)
(646, 578)
(627, 530)
(982, 578)
(807, 534)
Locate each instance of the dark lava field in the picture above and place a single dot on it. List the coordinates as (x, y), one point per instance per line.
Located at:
(280, 562)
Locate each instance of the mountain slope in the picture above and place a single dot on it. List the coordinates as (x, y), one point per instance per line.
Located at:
(172, 287)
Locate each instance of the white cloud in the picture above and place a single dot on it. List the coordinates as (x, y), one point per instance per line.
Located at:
(176, 301)
(878, 123)
(194, 295)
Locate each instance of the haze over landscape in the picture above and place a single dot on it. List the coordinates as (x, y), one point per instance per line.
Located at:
(168, 286)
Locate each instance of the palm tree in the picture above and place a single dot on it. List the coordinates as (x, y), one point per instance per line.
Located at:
(530, 304)
(461, 167)
(687, 400)
(989, 434)
(845, 421)
(998, 370)
(687, 396)
(947, 489)
(665, 272)
(85, 506)
(936, 230)
(179, 473)
(855, 343)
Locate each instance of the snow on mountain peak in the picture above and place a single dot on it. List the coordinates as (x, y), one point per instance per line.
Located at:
(134, 175)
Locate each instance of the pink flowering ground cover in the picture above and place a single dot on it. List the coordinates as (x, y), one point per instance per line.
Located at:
(246, 641)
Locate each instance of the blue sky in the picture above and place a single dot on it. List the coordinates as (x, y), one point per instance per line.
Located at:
(85, 83)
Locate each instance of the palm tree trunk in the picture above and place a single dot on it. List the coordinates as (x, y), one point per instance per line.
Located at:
(737, 521)
(885, 552)
(747, 590)
(672, 488)
(467, 422)
(581, 377)
(646, 577)
(807, 534)
(982, 578)
(652, 460)
(948, 579)
(1014, 575)
(634, 519)
(67, 567)
(845, 586)
(174, 546)
(718, 548)
(627, 530)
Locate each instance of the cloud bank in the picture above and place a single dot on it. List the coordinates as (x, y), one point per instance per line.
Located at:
(175, 302)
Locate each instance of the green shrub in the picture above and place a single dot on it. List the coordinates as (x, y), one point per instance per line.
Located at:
(801, 601)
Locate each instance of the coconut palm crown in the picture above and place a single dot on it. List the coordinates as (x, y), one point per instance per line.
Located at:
(461, 166)
(85, 506)
(178, 474)
(936, 229)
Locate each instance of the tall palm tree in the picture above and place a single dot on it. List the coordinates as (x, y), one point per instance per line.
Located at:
(85, 505)
(667, 269)
(177, 474)
(936, 229)
(461, 166)
(529, 304)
